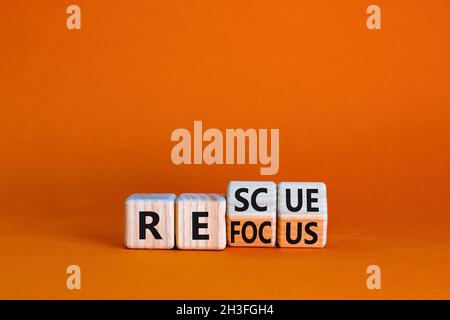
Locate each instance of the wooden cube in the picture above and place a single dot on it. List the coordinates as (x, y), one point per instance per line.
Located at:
(302, 214)
(251, 213)
(200, 221)
(150, 221)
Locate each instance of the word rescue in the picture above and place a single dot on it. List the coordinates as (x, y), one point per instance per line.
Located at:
(255, 214)
(234, 147)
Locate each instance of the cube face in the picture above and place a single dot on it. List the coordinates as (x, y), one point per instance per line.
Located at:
(302, 214)
(200, 221)
(150, 221)
(251, 213)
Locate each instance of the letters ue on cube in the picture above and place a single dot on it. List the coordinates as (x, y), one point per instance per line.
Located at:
(302, 214)
(150, 221)
(251, 213)
(200, 221)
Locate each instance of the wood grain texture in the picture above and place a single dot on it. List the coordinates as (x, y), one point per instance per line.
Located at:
(302, 214)
(241, 209)
(215, 207)
(162, 204)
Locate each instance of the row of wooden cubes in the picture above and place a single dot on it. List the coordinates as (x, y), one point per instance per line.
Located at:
(255, 214)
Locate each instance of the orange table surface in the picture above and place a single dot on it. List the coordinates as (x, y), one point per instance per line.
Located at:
(86, 118)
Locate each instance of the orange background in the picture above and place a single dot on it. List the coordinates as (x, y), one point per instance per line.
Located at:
(86, 119)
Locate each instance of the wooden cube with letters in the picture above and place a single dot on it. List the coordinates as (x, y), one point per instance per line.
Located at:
(150, 221)
(200, 221)
(251, 213)
(302, 214)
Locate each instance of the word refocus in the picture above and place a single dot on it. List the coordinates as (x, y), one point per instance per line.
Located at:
(254, 214)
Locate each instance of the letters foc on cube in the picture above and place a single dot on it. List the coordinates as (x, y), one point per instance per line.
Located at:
(150, 221)
(302, 214)
(251, 213)
(200, 221)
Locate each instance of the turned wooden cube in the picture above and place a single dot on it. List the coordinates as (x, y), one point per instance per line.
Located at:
(251, 213)
(200, 221)
(150, 221)
(302, 214)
